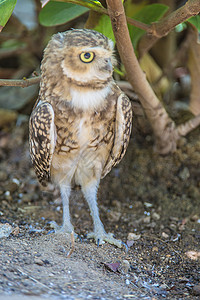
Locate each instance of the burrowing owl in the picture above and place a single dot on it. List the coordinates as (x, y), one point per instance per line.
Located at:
(81, 123)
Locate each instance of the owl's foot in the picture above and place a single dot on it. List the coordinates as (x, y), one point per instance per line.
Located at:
(65, 228)
(101, 237)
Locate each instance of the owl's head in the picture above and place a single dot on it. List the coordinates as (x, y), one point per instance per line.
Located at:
(82, 55)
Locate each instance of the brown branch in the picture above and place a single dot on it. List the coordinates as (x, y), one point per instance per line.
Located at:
(155, 30)
(167, 24)
(72, 245)
(163, 127)
(20, 82)
(184, 129)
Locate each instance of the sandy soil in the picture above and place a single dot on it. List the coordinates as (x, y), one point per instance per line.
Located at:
(149, 201)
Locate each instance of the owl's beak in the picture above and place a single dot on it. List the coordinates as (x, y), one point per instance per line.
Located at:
(108, 66)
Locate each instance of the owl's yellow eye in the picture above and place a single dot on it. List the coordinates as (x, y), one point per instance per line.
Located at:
(87, 57)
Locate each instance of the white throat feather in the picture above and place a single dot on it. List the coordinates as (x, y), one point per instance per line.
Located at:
(90, 99)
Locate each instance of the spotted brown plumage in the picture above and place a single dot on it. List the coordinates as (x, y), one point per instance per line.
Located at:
(42, 140)
(81, 124)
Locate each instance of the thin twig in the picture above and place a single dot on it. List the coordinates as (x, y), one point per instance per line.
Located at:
(187, 127)
(72, 245)
(25, 82)
(167, 24)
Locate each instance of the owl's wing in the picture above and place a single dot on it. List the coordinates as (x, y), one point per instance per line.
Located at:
(42, 140)
(123, 126)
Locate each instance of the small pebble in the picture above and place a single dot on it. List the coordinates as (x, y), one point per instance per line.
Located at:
(146, 220)
(15, 231)
(5, 230)
(39, 262)
(114, 215)
(147, 204)
(155, 216)
(194, 218)
(193, 255)
(155, 249)
(133, 237)
(117, 204)
(125, 265)
(16, 181)
(127, 281)
(184, 174)
(130, 243)
(165, 235)
(11, 187)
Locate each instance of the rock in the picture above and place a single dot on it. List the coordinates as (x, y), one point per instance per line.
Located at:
(124, 267)
(146, 219)
(130, 243)
(114, 215)
(117, 204)
(155, 216)
(39, 262)
(193, 255)
(11, 187)
(155, 249)
(16, 231)
(165, 235)
(147, 204)
(133, 237)
(194, 218)
(173, 226)
(184, 174)
(5, 230)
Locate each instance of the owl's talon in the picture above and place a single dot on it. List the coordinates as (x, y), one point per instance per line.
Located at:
(101, 238)
(126, 247)
(62, 229)
(55, 226)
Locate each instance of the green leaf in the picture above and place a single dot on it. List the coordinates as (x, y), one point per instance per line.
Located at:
(148, 14)
(104, 26)
(195, 21)
(6, 9)
(56, 13)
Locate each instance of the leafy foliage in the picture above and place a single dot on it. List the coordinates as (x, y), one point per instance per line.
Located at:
(56, 13)
(6, 9)
(147, 14)
(195, 21)
(104, 26)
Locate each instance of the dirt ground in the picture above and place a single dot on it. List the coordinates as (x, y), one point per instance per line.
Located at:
(149, 201)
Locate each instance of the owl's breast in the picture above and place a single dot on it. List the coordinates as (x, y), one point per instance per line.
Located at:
(83, 142)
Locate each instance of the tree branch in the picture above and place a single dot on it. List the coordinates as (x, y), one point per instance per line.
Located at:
(20, 82)
(165, 131)
(184, 129)
(155, 30)
(165, 25)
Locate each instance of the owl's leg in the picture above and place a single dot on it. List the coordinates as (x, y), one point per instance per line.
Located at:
(99, 234)
(66, 226)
